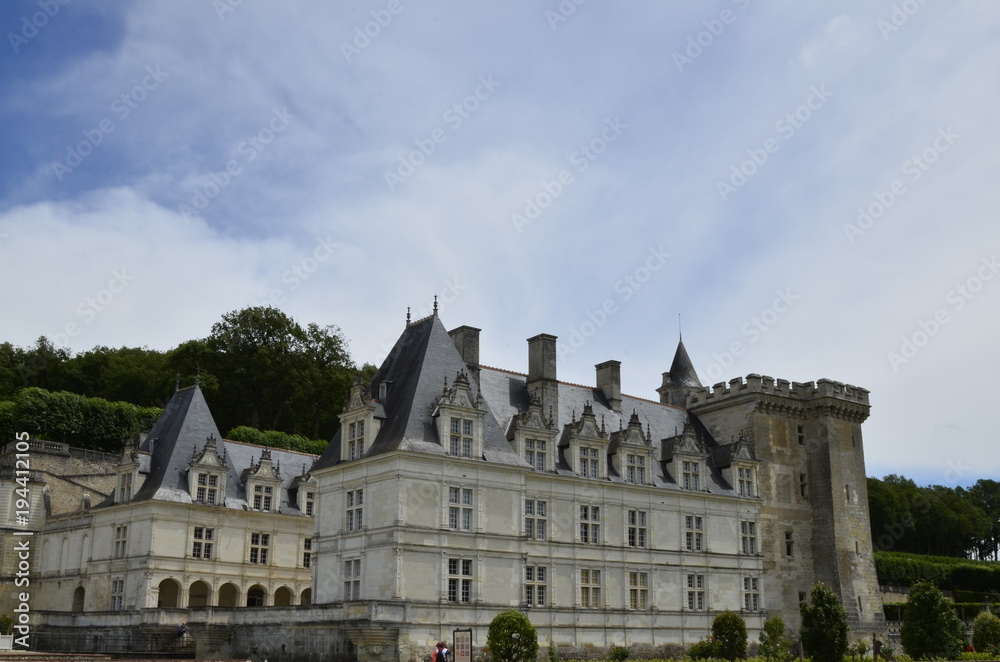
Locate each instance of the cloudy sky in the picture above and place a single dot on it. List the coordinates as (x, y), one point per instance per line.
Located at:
(812, 189)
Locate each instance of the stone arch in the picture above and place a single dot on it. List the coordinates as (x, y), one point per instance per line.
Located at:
(170, 593)
(307, 596)
(198, 594)
(256, 596)
(79, 597)
(229, 595)
(283, 597)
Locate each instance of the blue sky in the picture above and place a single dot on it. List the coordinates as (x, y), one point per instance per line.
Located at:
(809, 187)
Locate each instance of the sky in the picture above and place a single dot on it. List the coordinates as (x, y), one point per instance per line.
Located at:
(804, 191)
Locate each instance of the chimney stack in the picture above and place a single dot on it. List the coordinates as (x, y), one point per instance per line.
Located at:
(542, 382)
(609, 381)
(466, 339)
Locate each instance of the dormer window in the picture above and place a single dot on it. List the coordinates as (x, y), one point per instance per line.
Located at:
(635, 469)
(310, 501)
(263, 496)
(691, 475)
(745, 482)
(356, 422)
(208, 489)
(461, 437)
(355, 440)
(589, 462)
(535, 453)
(124, 487)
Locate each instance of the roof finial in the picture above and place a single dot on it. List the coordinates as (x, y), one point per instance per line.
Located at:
(680, 332)
(407, 316)
(435, 305)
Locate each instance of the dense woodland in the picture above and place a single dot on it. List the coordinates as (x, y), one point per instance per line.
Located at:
(264, 374)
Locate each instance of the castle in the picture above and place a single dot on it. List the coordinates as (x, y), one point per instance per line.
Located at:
(453, 491)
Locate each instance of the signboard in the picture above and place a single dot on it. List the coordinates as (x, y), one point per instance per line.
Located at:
(462, 646)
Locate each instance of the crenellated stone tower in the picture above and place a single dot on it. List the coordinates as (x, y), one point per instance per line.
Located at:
(814, 518)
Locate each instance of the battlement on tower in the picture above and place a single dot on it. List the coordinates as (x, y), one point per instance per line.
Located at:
(754, 383)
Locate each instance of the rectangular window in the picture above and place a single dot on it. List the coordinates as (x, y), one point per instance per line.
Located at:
(745, 482)
(355, 440)
(263, 496)
(459, 580)
(201, 548)
(636, 528)
(352, 579)
(121, 541)
(751, 594)
(307, 552)
(117, 594)
(748, 538)
(125, 488)
(535, 514)
(355, 510)
(461, 437)
(260, 543)
(589, 467)
(789, 544)
(803, 487)
(696, 592)
(694, 540)
(690, 475)
(590, 589)
(801, 432)
(590, 524)
(459, 508)
(635, 469)
(535, 453)
(638, 590)
(208, 489)
(535, 585)
(310, 503)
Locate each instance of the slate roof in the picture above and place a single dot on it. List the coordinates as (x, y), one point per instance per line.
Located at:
(682, 372)
(180, 432)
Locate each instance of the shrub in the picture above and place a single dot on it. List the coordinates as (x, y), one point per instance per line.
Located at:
(553, 651)
(986, 633)
(930, 627)
(731, 632)
(6, 624)
(774, 645)
(512, 638)
(618, 653)
(705, 649)
(824, 626)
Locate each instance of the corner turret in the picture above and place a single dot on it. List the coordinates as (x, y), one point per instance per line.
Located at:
(681, 380)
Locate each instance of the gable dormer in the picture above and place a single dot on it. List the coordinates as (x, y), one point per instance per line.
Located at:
(585, 445)
(689, 460)
(742, 470)
(459, 418)
(263, 484)
(357, 423)
(534, 437)
(632, 452)
(304, 487)
(128, 480)
(207, 474)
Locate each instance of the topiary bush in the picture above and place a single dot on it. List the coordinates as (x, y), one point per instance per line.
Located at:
(512, 638)
(730, 631)
(986, 633)
(930, 627)
(774, 645)
(824, 626)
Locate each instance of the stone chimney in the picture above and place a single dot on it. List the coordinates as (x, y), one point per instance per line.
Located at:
(466, 339)
(542, 384)
(609, 381)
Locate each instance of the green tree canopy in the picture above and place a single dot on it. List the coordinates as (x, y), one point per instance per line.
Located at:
(512, 638)
(824, 626)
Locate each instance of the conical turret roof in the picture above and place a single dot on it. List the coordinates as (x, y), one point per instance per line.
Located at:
(682, 372)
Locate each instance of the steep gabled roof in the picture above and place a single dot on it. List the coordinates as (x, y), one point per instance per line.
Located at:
(422, 361)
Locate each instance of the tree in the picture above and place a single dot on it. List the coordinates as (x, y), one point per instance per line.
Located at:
(774, 645)
(731, 632)
(512, 637)
(986, 633)
(930, 626)
(824, 626)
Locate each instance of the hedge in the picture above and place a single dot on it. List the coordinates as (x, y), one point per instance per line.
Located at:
(965, 610)
(947, 573)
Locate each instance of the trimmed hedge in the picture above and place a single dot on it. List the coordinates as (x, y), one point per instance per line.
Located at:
(965, 610)
(276, 439)
(947, 573)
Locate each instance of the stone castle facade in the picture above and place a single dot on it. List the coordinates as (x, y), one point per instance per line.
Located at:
(454, 490)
